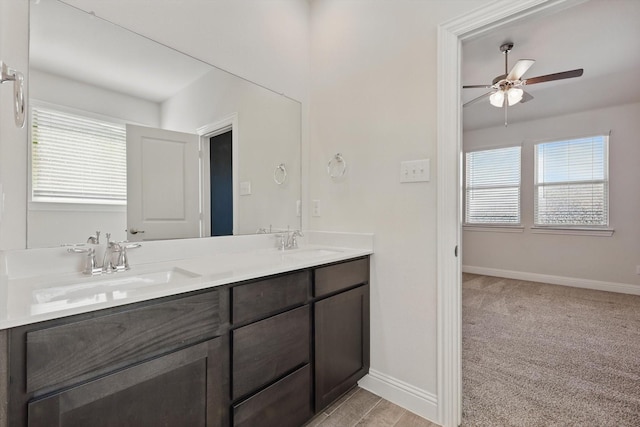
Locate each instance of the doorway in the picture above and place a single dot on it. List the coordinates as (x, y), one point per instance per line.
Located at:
(449, 206)
(221, 179)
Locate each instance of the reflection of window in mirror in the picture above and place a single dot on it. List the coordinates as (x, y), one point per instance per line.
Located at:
(76, 158)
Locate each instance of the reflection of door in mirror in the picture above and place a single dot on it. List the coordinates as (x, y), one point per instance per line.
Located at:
(163, 176)
(220, 156)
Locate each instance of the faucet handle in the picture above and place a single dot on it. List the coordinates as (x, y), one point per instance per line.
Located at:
(91, 268)
(123, 259)
(293, 242)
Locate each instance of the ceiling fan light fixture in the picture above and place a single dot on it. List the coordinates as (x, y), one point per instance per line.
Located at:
(497, 98)
(514, 95)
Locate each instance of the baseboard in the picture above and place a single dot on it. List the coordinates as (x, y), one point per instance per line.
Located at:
(411, 398)
(622, 288)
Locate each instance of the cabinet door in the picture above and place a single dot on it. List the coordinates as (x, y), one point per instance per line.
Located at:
(341, 343)
(184, 388)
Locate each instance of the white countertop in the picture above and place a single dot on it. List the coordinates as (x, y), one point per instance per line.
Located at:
(39, 297)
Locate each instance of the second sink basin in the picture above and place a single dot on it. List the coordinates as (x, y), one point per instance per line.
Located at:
(309, 254)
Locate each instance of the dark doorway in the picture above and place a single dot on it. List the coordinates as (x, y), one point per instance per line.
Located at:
(221, 185)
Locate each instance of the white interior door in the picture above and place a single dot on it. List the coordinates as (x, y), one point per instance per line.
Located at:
(163, 197)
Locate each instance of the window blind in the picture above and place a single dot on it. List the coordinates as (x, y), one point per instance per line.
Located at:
(492, 186)
(77, 159)
(571, 182)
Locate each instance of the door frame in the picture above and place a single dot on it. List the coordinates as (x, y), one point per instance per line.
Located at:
(206, 132)
(449, 185)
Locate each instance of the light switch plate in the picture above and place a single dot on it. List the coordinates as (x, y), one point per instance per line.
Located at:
(415, 170)
(245, 188)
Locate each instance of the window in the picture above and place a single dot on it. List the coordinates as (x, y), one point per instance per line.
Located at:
(77, 159)
(492, 186)
(571, 183)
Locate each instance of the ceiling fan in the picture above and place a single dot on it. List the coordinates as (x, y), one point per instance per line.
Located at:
(507, 89)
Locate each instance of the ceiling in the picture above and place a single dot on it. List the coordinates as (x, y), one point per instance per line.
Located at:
(600, 36)
(69, 42)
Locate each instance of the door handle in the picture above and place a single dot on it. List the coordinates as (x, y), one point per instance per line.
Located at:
(134, 231)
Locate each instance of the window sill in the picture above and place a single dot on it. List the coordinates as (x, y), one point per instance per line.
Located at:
(494, 228)
(598, 232)
(75, 207)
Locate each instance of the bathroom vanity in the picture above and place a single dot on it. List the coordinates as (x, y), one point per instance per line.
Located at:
(267, 351)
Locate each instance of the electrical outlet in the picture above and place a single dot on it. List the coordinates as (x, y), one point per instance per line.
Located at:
(298, 208)
(315, 208)
(637, 269)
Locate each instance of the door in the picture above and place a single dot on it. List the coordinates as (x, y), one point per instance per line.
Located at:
(220, 155)
(163, 196)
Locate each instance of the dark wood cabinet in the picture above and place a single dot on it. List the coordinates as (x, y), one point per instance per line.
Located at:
(341, 342)
(261, 353)
(149, 363)
(186, 387)
(69, 353)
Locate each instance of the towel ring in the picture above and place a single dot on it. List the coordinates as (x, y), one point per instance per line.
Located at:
(9, 75)
(337, 166)
(280, 174)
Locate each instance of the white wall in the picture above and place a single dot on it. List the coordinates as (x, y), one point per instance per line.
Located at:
(606, 259)
(373, 99)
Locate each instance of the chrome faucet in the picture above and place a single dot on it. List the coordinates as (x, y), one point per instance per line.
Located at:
(115, 257)
(288, 240)
(95, 240)
(292, 239)
(117, 251)
(113, 250)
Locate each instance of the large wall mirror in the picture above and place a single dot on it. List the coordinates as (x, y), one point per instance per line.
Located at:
(133, 138)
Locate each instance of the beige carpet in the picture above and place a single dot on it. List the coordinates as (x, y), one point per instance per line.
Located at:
(544, 355)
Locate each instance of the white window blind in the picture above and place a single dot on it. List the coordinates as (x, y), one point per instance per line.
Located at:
(77, 159)
(492, 186)
(572, 183)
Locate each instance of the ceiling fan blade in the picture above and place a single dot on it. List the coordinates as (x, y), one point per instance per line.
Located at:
(477, 86)
(526, 97)
(554, 76)
(478, 99)
(519, 69)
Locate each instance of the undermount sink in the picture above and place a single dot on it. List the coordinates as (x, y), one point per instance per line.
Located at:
(91, 287)
(308, 254)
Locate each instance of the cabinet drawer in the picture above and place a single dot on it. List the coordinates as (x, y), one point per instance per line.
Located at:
(341, 276)
(73, 352)
(268, 349)
(259, 299)
(286, 403)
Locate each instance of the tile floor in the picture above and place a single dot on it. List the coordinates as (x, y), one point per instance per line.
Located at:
(359, 407)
